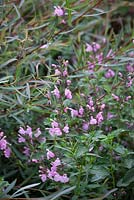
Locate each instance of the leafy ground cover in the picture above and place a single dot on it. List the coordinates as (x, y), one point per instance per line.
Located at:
(66, 99)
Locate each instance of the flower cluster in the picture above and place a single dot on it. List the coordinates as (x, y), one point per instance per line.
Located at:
(52, 173)
(30, 139)
(58, 11)
(56, 130)
(4, 145)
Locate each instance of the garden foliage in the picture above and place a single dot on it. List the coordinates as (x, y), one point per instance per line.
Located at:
(67, 99)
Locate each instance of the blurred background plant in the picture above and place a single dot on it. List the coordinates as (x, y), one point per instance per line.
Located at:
(67, 67)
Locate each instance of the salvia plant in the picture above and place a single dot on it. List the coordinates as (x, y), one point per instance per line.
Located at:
(67, 99)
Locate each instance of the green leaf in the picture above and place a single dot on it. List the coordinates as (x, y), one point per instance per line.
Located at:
(8, 189)
(99, 172)
(24, 188)
(127, 179)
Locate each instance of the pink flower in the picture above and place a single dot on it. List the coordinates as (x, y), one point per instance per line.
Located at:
(102, 106)
(68, 82)
(55, 132)
(1, 134)
(3, 143)
(91, 66)
(66, 129)
(115, 97)
(21, 139)
(22, 131)
(93, 121)
(65, 73)
(56, 92)
(68, 94)
(38, 133)
(26, 151)
(57, 177)
(110, 74)
(51, 173)
(55, 124)
(81, 110)
(127, 98)
(89, 48)
(7, 152)
(94, 47)
(58, 11)
(57, 72)
(35, 160)
(130, 68)
(56, 163)
(74, 113)
(130, 83)
(50, 154)
(90, 102)
(43, 177)
(85, 126)
(29, 131)
(110, 115)
(64, 179)
(99, 117)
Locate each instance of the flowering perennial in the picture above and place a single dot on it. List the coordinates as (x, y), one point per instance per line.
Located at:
(4, 145)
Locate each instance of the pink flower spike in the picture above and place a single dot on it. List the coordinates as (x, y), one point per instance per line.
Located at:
(68, 94)
(93, 121)
(58, 11)
(66, 129)
(50, 154)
